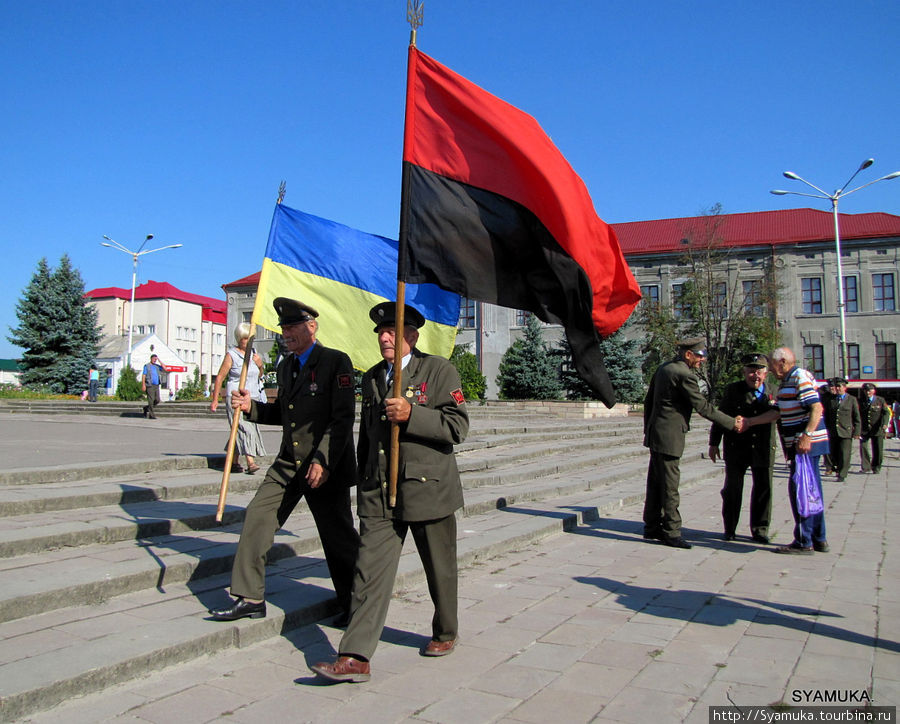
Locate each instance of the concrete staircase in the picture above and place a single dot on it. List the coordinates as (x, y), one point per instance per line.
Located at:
(105, 579)
(115, 408)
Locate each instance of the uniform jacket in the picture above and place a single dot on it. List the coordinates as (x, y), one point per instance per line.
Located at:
(673, 395)
(756, 446)
(842, 417)
(875, 415)
(428, 484)
(316, 410)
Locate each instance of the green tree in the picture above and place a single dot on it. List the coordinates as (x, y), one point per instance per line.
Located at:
(57, 330)
(192, 389)
(623, 365)
(129, 386)
(474, 384)
(528, 371)
(660, 335)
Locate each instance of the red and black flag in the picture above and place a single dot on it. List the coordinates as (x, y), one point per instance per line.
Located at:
(492, 211)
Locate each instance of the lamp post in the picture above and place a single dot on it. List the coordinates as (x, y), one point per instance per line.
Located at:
(113, 244)
(834, 198)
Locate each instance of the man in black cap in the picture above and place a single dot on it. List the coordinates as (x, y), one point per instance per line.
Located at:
(754, 449)
(875, 414)
(674, 393)
(844, 424)
(315, 407)
(432, 417)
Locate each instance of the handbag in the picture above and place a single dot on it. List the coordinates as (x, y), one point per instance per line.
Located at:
(809, 498)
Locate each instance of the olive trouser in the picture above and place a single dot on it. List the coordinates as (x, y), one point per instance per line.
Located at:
(661, 514)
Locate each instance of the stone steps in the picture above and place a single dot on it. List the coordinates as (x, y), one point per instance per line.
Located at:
(95, 611)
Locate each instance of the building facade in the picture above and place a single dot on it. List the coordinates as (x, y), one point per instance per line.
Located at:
(190, 325)
(797, 246)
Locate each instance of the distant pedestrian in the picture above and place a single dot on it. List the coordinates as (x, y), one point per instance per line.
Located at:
(673, 395)
(754, 449)
(151, 378)
(843, 422)
(93, 383)
(894, 427)
(875, 415)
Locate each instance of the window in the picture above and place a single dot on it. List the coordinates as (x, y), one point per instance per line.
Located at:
(852, 361)
(885, 360)
(851, 297)
(679, 307)
(814, 359)
(467, 313)
(650, 295)
(883, 292)
(177, 332)
(245, 317)
(811, 291)
(753, 297)
(522, 317)
(720, 299)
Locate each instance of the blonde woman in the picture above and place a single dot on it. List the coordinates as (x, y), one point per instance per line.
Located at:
(249, 441)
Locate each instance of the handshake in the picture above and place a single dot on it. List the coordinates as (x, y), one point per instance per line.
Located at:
(741, 424)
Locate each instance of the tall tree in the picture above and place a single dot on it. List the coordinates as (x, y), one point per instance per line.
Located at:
(528, 371)
(57, 330)
(623, 363)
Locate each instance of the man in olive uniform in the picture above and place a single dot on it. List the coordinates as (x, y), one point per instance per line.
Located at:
(432, 417)
(315, 407)
(875, 414)
(844, 424)
(754, 449)
(674, 393)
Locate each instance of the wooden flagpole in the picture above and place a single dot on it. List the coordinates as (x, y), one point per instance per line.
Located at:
(414, 14)
(236, 417)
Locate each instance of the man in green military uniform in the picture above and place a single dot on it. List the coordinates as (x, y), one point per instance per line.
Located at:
(432, 418)
(315, 407)
(754, 449)
(875, 414)
(844, 424)
(674, 393)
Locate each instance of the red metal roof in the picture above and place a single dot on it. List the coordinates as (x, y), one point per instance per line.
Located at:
(162, 290)
(758, 228)
(248, 281)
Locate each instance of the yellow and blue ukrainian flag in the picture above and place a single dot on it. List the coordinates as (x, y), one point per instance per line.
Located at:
(342, 273)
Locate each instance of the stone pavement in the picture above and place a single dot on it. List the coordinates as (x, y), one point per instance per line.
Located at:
(592, 624)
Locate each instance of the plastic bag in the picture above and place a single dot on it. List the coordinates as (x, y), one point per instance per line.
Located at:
(809, 499)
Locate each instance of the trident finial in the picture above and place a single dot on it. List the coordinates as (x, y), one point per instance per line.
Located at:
(415, 13)
(282, 189)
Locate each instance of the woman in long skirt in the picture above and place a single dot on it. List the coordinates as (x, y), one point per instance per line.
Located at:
(249, 442)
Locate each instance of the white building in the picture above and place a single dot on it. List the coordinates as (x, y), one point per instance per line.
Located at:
(191, 326)
(113, 355)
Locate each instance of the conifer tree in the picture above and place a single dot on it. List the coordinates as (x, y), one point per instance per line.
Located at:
(622, 360)
(57, 330)
(528, 371)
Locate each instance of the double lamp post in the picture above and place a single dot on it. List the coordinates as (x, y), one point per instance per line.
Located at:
(834, 198)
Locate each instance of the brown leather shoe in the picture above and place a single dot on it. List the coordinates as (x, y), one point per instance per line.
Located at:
(439, 648)
(345, 668)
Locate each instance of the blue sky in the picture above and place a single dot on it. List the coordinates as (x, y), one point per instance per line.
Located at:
(180, 119)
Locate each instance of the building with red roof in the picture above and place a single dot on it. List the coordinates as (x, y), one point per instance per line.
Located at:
(191, 326)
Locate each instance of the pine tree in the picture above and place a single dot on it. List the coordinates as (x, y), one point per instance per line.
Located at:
(623, 364)
(57, 330)
(129, 386)
(528, 371)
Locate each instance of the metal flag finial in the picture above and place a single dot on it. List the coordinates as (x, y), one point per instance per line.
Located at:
(415, 13)
(282, 188)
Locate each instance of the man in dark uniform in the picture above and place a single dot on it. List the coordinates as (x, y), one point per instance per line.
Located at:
(843, 422)
(432, 417)
(876, 415)
(673, 395)
(315, 407)
(754, 449)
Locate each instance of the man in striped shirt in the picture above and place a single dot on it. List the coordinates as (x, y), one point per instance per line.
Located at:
(802, 428)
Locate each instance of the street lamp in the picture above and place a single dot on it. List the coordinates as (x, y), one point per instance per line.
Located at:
(113, 244)
(834, 198)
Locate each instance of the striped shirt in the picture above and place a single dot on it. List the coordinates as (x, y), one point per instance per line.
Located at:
(796, 396)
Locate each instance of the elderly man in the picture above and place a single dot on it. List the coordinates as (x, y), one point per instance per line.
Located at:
(674, 393)
(432, 418)
(315, 407)
(151, 379)
(843, 422)
(754, 449)
(875, 415)
(802, 427)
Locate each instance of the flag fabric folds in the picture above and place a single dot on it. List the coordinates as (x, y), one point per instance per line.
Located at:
(342, 273)
(494, 212)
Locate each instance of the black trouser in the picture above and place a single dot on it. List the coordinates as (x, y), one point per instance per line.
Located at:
(871, 450)
(661, 504)
(760, 497)
(841, 451)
